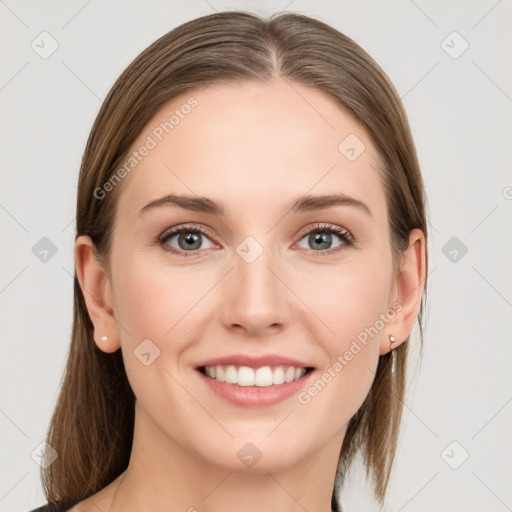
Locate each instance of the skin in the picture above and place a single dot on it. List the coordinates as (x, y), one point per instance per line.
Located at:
(253, 148)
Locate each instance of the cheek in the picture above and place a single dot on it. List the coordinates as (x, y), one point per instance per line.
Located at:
(152, 298)
(153, 303)
(351, 304)
(346, 300)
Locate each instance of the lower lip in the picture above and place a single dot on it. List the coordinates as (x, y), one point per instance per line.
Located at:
(255, 396)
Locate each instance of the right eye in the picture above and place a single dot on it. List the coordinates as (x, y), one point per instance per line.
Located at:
(188, 240)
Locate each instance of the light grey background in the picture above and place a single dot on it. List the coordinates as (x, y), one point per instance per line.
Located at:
(460, 113)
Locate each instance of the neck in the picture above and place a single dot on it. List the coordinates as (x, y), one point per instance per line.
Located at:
(165, 476)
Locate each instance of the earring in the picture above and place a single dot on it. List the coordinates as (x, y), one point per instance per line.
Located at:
(392, 339)
(104, 338)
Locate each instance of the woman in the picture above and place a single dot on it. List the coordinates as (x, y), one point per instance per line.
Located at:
(250, 261)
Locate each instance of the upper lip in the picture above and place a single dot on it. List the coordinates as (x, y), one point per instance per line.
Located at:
(255, 361)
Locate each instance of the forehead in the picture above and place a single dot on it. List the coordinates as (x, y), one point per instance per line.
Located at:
(259, 141)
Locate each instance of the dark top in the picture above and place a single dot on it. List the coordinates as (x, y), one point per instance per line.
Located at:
(45, 508)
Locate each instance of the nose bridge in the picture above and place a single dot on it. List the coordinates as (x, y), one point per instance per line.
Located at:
(257, 297)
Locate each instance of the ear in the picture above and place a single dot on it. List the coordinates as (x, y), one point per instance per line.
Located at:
(97, 291)
(410, 283)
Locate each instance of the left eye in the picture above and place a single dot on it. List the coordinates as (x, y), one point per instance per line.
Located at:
(321, 239)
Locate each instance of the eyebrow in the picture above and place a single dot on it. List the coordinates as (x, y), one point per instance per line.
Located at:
(301, 204)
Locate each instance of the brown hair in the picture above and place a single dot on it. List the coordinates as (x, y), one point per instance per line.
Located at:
(92, 425)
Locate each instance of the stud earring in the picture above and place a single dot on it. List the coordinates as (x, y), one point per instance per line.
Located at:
(104, 338)
(392, 340)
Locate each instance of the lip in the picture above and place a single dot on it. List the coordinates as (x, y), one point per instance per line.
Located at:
(255, 361)
(254, 396)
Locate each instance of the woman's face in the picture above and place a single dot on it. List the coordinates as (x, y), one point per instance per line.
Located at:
(262, 278)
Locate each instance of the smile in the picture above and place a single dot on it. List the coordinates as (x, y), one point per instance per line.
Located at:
(260, 377)
(244, 386)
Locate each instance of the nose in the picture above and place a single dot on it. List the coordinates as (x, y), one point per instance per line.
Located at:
(257, 300)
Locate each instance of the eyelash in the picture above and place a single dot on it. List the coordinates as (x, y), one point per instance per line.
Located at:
(346, 237)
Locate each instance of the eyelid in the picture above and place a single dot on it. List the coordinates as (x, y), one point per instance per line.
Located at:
(333, 228)
(205, 230)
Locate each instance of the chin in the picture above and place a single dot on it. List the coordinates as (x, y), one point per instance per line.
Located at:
(255, 454)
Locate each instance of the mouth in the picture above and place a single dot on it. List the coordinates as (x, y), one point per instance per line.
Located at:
(263, 376)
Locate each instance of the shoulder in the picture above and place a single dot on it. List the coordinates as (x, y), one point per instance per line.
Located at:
(48, 508)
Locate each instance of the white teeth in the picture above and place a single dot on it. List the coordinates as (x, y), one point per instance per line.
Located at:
(260, 377)
(289, 374)
(278, 376)
(231, 376)
(245, 376)
(219, 373)
(263, 377)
